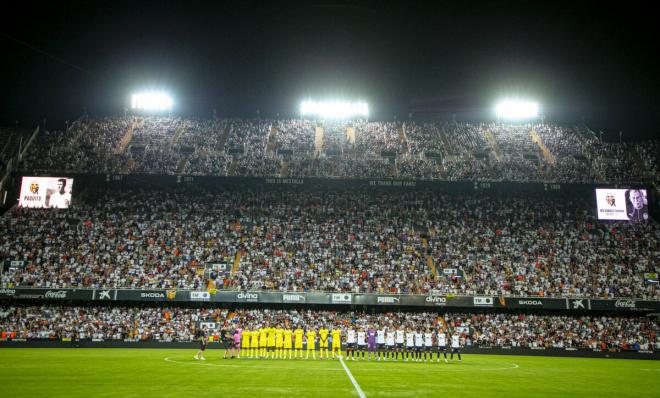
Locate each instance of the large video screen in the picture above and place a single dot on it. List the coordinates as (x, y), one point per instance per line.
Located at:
(622, 204)
(46, 192)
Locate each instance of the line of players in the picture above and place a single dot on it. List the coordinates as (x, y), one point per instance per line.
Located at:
(383, 344)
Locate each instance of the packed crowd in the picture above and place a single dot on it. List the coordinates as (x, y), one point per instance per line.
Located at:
(648, 152)
(358, 241)
(347, 149)
(12, 140)
(476, 329)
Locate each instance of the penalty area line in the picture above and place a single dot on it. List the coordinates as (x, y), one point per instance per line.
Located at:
(350, 376)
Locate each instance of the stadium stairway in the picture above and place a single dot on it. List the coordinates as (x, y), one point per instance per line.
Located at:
(230, 316)
(232, 166)
(490, 138)
(441, 169)
(284, 169)
(128, 136)
(547, 155)
(182, 163)
(441, 320)
(350, 134)
(639, 162)
(429, 258)
(445, 140)
(128, 166)
(177, 134)
(403, 138)
(237, 262)
(318, 140)
(272, 140)
(223, 139)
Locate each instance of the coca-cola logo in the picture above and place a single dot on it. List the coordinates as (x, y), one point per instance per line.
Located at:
(625, 304)
(60, 294)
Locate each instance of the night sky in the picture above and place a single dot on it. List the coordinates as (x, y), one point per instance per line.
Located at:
(588, 61)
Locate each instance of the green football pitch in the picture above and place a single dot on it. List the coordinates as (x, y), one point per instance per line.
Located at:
(174, 373)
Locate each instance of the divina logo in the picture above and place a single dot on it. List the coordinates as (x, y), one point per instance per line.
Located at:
(247, 296)
(437, 300)
(60, 294)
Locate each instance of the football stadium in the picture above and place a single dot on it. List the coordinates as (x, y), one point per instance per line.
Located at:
(278, 212)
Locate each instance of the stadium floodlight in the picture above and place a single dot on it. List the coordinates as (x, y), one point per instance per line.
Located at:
(513, 109)
(334, 109)
(152, 101)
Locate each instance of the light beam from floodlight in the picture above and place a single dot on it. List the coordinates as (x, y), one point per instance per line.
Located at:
(152, 101)
(517, 109)
(334, 109)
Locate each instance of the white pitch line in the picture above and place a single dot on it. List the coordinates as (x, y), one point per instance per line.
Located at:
(350, 376)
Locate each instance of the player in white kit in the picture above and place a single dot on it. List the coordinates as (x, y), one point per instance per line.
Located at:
(350, 344)
(428, 345)
(389, 342)
(455, 345)
(361, 342)
(419, 345)
(442, 344)
(410, 344)
(380, 342)
(399, 343)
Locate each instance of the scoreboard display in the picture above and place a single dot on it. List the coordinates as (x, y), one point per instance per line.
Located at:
(45, 192)
(622, 204)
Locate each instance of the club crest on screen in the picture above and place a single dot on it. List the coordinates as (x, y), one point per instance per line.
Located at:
(34, 188)
(611, 200)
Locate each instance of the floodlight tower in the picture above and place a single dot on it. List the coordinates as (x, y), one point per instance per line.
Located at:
(152, 102)
(516, 110)
(334, 109)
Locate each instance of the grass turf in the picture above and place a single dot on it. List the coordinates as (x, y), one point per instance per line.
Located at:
(146, 373)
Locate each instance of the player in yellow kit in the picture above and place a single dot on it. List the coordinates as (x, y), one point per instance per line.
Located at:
(263, 339)
(311, 343)
(336, 342)
(245, 341)
(287, 342)
(254, 344)
(298, 336)
(271, 342)
(323, 342)
(279, 342)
